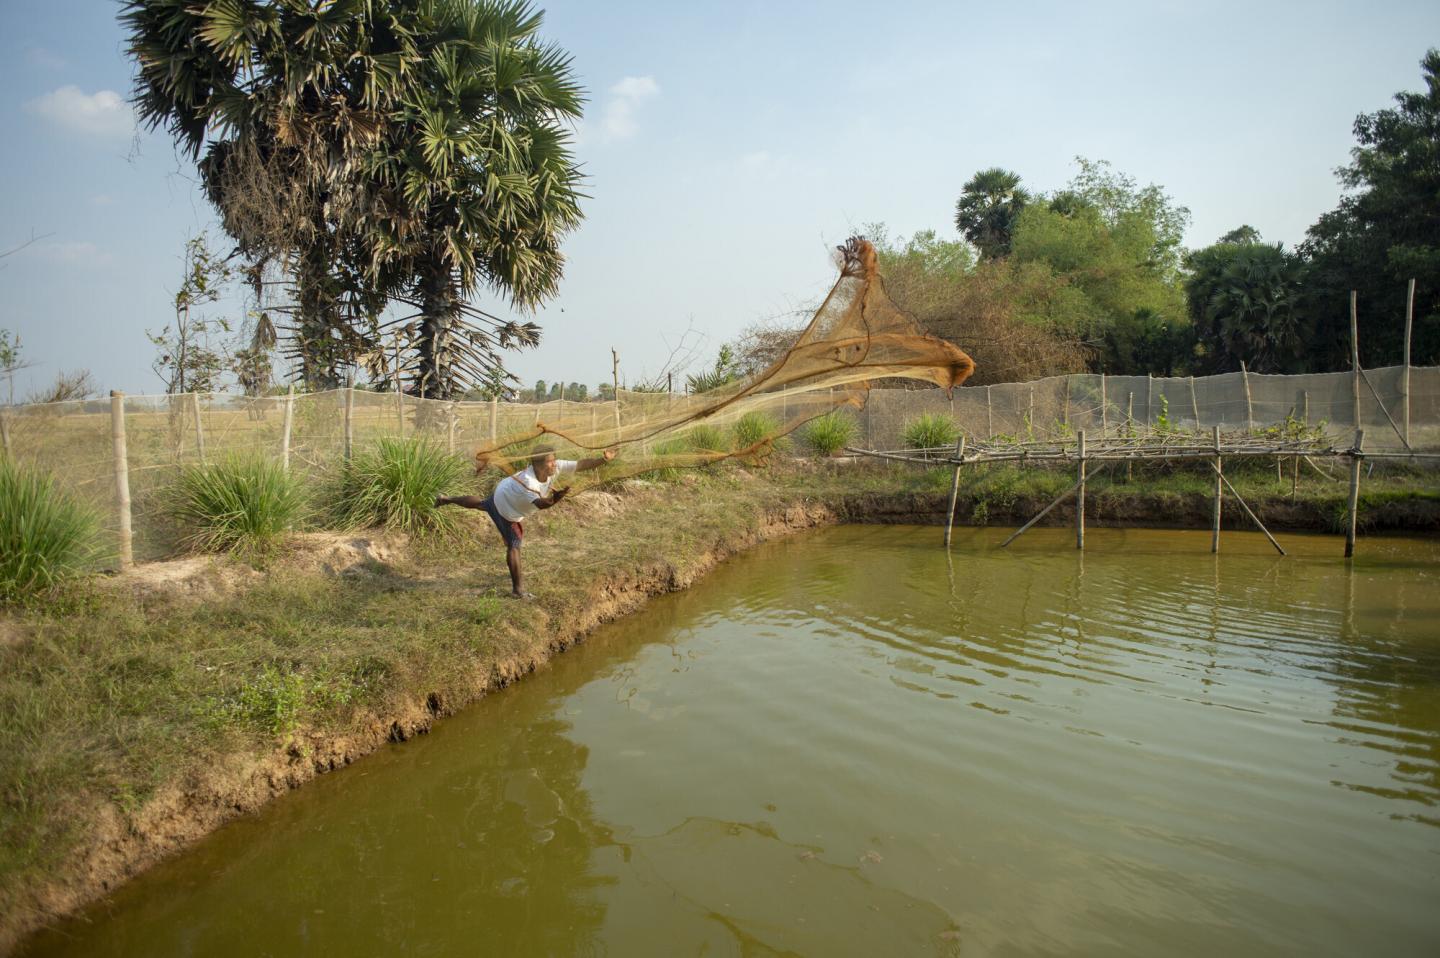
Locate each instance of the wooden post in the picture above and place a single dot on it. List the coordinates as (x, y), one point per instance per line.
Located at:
(122, 477)
(5, 432)
(954, 489)
(494, 419)
(1130, 432)
(594, 426)
(199, 427)
(1305, 407)
(454, 421)
(1065, 417)
(285, 429)
(1249, 408)
(399, 393)
(1355, 359)
(1219, 494)
(1149, 402)
(1249, 512)
(1405, 374)
(1030, 416)
(1295, 479)
(1356, 455)
(989, 415)
(615, 385)
(349, 417)
(1044, 512)
(1080, 499)
(1104, 410)
(1194, 403)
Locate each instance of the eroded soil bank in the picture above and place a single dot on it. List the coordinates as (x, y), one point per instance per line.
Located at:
(603, 559)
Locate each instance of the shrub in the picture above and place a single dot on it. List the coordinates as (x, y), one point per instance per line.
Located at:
(45, 536)
(240, 504)
(830, 433)
(753, 427)
(679, 446)
(394, 484)
(930, 431)
(705, 438)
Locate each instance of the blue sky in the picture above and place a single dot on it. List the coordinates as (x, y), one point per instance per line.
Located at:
(729, 145)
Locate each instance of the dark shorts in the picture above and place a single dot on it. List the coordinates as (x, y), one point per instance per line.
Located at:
(512, 532)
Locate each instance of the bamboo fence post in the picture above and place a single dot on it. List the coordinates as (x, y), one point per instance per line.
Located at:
(954, 488)
(1043, 513)
(1355, 358)
(1295, 479)
(1356, 455)
(989, 415)
(1405, 374)
(349, 417)
(1104, 410)
(1251, 513)
(122, 477)
(1305, 407)
(454, 421)
(1194, 403)
(1030, 416)
(285, 429)
(494, 419)
(1065, 417)
(594, 426)
(5, 432)
(1130, 431)
(1149, 402)
(615, 386)
(1219, 494)
(199, 427)
(1080, 499)
(1249, 407)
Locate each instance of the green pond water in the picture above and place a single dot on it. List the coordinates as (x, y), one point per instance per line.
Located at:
(849, 744)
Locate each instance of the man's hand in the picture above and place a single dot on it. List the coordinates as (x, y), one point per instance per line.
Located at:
(559, 494)
(608, 454)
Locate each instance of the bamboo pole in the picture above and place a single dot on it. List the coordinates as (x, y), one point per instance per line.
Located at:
(1219, 494)
(1356, 455)
(199, 427)
(954, 489)
(122, 477)
(1080, 498)
(5, 432)
(1130, 431)
(1030, 416)
(615, 384)
(1043, 513)
(494, 419)
(1405, 374)
(1248, 511)
(1305, 407)
(454, 421)
(1194, 403)
(1381, 403)
(1065, 417)
(285, 429)
(1355, 358)
(989, 416)
(1149, 402)
(1249, 406)
(1104, 410)
(349, 417)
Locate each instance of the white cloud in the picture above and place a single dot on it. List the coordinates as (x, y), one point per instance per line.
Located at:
(618, 118)
(103, 113)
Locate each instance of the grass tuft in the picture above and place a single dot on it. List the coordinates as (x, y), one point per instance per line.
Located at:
(930, 431)
(240, 504)
(45, 536)
(828, 434)
(394, 484)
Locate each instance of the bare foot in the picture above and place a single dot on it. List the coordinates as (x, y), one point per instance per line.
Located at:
(525, 596)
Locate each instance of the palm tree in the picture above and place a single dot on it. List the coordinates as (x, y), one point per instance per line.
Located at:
(479, 186)
(987, 209)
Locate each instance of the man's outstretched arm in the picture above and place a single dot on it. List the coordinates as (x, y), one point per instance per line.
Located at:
(596, 462)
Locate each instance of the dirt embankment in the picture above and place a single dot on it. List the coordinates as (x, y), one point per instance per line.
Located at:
(119, 846)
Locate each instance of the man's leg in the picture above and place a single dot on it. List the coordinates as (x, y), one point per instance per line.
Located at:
(512, 559)
(469, 502)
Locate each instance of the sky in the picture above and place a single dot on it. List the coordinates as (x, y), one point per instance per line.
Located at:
(727, 148)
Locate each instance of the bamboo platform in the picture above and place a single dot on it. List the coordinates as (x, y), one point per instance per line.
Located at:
(1103, 453)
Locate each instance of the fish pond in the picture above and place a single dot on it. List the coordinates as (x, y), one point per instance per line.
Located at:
(854, 743)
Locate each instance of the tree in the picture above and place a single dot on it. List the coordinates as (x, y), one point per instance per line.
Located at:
(725, 371)
(987, 209)
(189, 359)
(67, 387)
(1245, 302)
(10, 362)
(1381, 235)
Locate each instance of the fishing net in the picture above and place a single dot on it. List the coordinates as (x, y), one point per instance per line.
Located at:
(856, 337)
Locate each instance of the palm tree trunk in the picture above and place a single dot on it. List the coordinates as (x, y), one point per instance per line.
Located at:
(440, 313)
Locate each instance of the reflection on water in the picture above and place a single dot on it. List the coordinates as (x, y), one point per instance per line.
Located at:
(854, 743)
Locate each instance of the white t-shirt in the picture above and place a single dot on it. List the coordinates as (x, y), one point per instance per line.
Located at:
(515, 495)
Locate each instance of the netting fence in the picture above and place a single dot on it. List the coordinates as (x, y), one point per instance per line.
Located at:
(314, 432)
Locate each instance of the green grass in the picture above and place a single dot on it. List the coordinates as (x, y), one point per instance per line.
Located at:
(45, 535)
(394, 484)
(754, 427)
(707, 438)
(830, 433)
(930, 431)
(242, 504)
